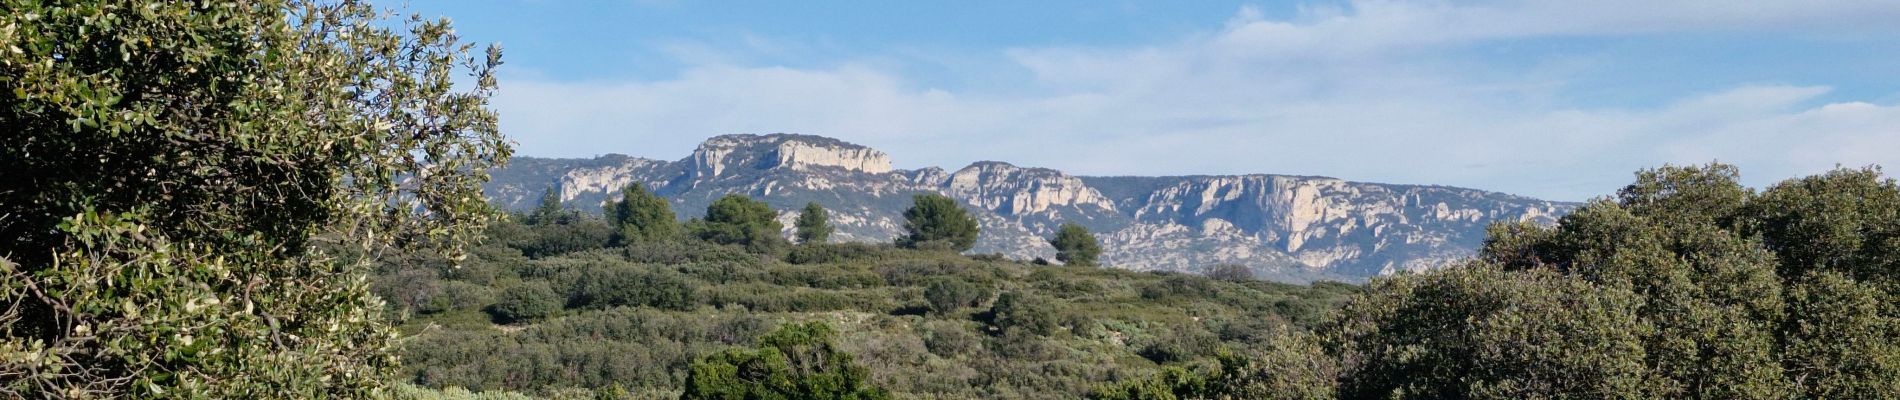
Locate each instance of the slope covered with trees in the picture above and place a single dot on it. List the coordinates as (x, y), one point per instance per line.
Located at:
(1685, 284)
(680, 316)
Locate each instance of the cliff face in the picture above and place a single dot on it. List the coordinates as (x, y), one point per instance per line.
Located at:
(1358, 229)
(1284, 227)
(718, 155)
(1011, 191)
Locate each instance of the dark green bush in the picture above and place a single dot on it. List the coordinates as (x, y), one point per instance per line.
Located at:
(1182, 287)
(689, 251)
(631, 286)
(947, 295)
(524, 302)
(458, 295)
(822, 253)
(574, 235)
(1020, 344)
(798, 361)
(1180, 344)
(823, 277)
(950, 339)
(1019, 311)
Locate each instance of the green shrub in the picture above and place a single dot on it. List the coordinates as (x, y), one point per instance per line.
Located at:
(1180, 344)
(824, 253)
(458, 295)
(632, 286)
(796, 362)
(823, 277)
(672, 252)
(1018, 311)
(1020, 344)
(947, 295)
(566, 236)
(527, 301)
(950, 339)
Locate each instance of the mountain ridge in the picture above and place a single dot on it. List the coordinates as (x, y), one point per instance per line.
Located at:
(1284, 227)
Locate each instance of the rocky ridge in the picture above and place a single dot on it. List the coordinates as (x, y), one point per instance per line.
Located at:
(1293, 228)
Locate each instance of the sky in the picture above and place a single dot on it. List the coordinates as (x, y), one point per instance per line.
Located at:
(1561, 100)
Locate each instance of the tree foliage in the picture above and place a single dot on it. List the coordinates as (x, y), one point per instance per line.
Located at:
(1230, 272)
(798, 361)
(641, 216)
(190, 186)
(947, 295)
(526, 302)
(636, 317)
(1026, 312)
(812, 225)
(934, 218)
(737, 219)
(1075, 245)
(1685, 284)
(549, 211)
(1292, 366)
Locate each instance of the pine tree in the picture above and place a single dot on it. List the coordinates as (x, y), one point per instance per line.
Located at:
(737, 219)
(813, 225)
(934, 220)
(549, 212)
(1075, 245)
(641, 216)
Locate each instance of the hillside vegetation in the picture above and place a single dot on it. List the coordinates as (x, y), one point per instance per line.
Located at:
(925, 323)
(1685, 284)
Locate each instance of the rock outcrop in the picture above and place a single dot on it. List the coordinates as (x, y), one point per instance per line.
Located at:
(716, 156)
(1285, 227)
(1011, 191)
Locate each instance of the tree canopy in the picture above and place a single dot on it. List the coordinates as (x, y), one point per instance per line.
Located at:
(1075, 245)
(934, 218)
(1685, 284)
(641, 215)
(812, 224)
(737, 219)
(191, 188)
(549, 211)
(796, 362)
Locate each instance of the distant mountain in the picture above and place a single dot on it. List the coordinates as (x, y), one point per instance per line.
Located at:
(1292, 228)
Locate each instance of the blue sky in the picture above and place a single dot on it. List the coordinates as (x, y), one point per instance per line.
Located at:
(1554, 99)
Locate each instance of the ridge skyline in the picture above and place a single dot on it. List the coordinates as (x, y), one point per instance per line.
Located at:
(1287, 227)
(896, 167)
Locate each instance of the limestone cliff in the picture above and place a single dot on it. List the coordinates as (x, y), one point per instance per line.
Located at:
(716, 156)
(1009, 190)
(1284, 227)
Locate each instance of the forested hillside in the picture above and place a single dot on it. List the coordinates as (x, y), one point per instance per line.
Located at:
(1684, 284)
(549, 308)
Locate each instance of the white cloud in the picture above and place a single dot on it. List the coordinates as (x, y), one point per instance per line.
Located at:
(1355, 92)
